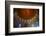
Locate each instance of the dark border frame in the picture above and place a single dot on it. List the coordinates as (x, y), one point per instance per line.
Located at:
(7, 11)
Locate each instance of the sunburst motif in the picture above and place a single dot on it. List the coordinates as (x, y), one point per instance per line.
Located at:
(26, 15)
